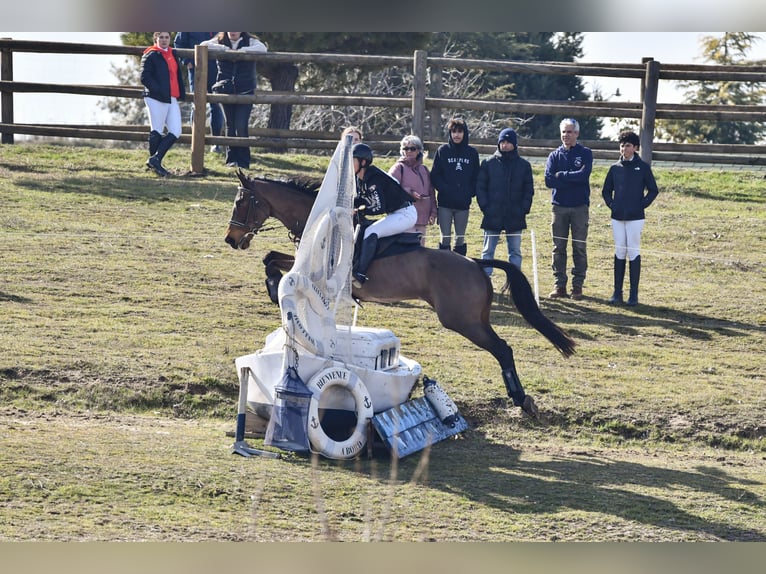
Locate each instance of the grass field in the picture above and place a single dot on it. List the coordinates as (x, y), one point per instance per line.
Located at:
(123, 310)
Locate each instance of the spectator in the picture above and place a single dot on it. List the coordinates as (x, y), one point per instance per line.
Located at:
(504, 191)
(188, 40)
(236, 77)
(163, 88)
(378, 193)
(623, 193)
(415, 179)
(453, 174)
(354, 132)
(567, 173)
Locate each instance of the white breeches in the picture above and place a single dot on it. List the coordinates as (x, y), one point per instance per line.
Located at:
(627, 238)
(395, 222)
(162, 114)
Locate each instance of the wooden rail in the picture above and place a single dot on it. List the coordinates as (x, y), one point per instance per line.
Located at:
(423, 100)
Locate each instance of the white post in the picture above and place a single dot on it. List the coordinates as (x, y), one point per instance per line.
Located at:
(534, 266)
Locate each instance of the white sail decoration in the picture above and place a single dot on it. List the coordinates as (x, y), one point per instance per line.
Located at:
(317, 288)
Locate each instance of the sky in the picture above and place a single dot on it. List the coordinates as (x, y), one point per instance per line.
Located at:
(606, 47)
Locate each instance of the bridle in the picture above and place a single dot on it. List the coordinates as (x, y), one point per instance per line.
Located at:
(252, 230)
(252, 206)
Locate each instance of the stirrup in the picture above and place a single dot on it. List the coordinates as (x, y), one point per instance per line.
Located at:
(359, 279)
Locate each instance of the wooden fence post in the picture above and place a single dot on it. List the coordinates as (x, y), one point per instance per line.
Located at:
(420, 69)
(6, 97)
(435, 112)
(200, 109)
(649, 110)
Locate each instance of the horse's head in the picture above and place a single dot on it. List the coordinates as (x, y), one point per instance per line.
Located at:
(248, 215)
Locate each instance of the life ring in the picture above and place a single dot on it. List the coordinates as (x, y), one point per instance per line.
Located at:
(304, 306)
(332, 237)
(320, 442)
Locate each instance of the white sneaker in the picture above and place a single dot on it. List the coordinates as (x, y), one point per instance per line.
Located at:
(216, 149)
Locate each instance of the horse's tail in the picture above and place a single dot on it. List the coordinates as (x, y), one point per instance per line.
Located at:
(524, 300)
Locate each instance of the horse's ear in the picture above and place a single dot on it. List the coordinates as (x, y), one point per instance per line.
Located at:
(242, 178)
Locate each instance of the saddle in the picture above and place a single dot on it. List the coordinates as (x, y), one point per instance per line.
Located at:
(391, 245)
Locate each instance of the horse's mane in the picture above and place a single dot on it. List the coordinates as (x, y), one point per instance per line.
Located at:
(302, 183)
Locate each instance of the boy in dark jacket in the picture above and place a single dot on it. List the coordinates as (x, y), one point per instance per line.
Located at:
(623, 193)
(453, 175)
(504, 191)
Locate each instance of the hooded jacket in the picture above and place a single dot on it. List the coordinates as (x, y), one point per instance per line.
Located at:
(155, 74)
(624, 186)
(504, 191)
(454, 172)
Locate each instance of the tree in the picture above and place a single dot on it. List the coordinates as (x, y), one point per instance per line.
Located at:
(729, 49)
(395, 81)
(519, 46)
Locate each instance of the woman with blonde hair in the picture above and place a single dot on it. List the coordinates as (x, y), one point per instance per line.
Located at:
(415, 179)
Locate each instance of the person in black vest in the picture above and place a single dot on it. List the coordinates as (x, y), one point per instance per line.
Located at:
(623, 192)
(163, 89)
(236, 77)
(377, 193)
(453, 175)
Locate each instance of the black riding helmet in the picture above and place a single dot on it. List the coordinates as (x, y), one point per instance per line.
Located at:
(362, 151)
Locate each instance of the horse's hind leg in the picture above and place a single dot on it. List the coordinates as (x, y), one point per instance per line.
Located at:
(482, 335)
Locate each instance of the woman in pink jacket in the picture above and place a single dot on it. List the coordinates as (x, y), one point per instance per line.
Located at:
(415, 178)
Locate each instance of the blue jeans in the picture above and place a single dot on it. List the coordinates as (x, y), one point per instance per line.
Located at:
(513, 240)
(216, 113)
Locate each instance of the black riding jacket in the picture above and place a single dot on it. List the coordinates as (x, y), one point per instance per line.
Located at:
(380, 193)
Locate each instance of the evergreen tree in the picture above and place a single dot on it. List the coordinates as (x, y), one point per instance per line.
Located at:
(729, 49)
(458, 83)
(520, 46)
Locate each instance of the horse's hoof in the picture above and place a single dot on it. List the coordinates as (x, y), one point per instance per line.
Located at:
(530, 407)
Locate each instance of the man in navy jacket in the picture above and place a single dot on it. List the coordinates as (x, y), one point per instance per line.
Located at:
(567, 173)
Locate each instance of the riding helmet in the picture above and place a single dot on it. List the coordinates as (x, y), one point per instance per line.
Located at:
(362, 151)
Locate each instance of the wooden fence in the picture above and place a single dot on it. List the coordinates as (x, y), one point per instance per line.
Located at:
(424, 100)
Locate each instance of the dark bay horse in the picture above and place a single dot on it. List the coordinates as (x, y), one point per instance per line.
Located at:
(456, 287)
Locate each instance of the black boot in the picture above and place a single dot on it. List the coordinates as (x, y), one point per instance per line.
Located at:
(154, 141)
(445, 246)
(366, 255)
(619, 277)
(155, 162)
(635, 276)
(461, 249)
(516, 392)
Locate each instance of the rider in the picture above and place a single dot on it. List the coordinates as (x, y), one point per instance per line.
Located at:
(376, 193)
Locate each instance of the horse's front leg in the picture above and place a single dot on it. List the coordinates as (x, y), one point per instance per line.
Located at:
(276, 263)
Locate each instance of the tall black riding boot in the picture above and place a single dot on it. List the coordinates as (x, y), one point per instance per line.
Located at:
(366, 255)
(619, 277)
(444, 246)
(155, 162)
(154, 141)
(635, 275)
(461, 249)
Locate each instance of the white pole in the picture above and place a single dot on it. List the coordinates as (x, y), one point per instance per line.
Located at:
(534, 266)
